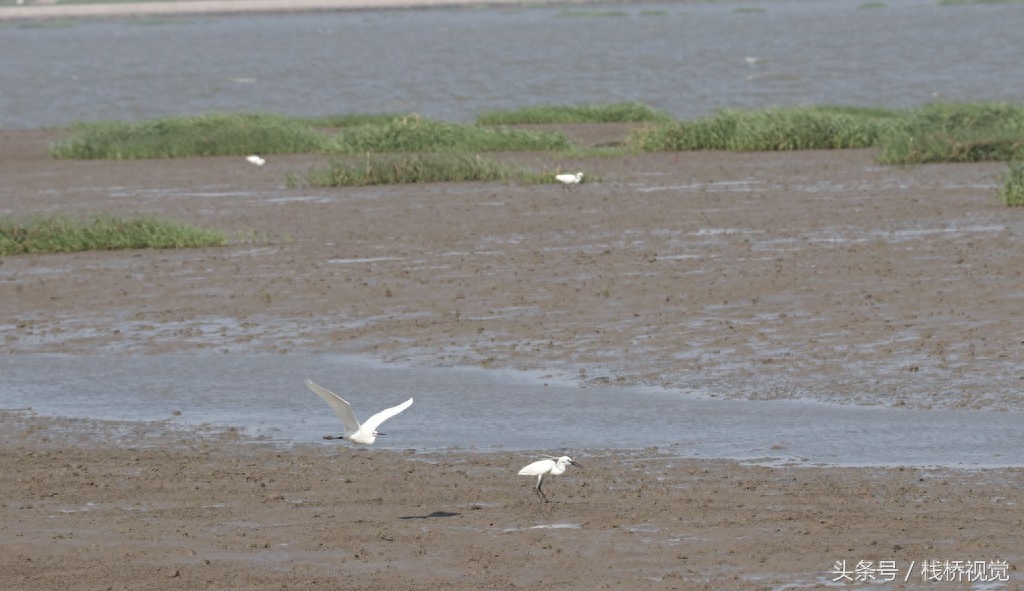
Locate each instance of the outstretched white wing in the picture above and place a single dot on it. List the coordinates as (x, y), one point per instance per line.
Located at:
(340, 406)
(373, 422)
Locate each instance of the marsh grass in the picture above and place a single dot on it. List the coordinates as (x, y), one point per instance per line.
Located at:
(388, 169)
(356, 119)
(791, 128)
(964, 132)
(243, 133)
(628, 112)
(101, 232)
(1012, 190)
(204, 135)
(417, 134)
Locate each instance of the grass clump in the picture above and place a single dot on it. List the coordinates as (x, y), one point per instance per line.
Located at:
(1012, 191)
(204, 135)
(628, 112)
(791, 128)
(387, 169)
(238, 133)
(425, 135)
(101, 232)
(356, 119)
(966, 132)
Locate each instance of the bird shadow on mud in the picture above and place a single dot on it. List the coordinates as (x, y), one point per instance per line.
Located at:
(433, 515)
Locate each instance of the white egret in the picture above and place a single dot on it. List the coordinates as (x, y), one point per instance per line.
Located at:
(569, 179)
(365, 433)
(541, 468)
(255, 159)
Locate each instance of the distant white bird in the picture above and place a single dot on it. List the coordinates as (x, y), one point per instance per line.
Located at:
(569, 179)
(541, 468)
(365, 433)
(255, 159)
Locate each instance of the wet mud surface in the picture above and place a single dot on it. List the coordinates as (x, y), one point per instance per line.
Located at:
(796, 275)
(92, 505)
(782, 275)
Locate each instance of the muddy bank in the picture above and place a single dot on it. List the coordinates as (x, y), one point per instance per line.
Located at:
(772, 275)
(815, 274)
(93, 505)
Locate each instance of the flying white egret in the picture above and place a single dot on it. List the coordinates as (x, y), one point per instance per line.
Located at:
(569, 179)
(365, 433)
(541, 468)
(255, 159)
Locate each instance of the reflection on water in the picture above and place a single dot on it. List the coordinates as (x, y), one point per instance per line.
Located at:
(485, 410)
(686, 58)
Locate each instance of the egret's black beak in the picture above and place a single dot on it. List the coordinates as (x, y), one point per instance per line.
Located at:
(575, 463)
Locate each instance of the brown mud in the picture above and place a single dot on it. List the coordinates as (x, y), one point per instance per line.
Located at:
(812, 274)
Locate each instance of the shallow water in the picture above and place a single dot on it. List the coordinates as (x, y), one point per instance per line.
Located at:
(686, 58)
(488, 410)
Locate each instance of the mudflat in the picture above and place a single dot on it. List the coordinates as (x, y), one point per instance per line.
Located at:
(812, 274)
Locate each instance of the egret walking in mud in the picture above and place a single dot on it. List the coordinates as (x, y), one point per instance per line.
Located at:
(541, 468)
(255, 159)
(365, 433)
(569, 179)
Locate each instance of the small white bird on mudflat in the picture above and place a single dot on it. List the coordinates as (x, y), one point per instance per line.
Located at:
(365, 433)
(541, 468)
(255, 159)
(569, 179)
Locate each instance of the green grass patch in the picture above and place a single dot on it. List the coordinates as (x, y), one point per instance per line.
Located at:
(961, 132)
(102, 232)
(389, 169)
(1012, 190)
(417, 134)
(628, 112)
(791, 128)
(356, 119)
(964, 132)
(204, 135)
(244, 133)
